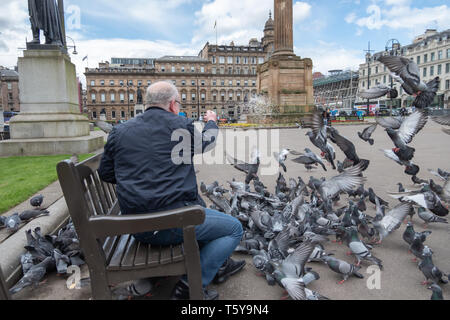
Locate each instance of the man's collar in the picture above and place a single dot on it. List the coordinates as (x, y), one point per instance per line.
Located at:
(154, 107)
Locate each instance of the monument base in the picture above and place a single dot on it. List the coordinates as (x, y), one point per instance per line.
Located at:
(282, 118)
(52, 146)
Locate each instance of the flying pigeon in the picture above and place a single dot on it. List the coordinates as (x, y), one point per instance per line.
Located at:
(408, 71)
(424, 198)
(392, 220)
(309, 158)
(346, 181)
(347, 147)
(282, 156)
(251, 169)
(367, 133)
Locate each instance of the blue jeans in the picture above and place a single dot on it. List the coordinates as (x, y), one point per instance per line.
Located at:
(217, 237)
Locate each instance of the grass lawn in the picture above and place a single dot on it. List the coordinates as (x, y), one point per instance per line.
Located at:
(21, 177)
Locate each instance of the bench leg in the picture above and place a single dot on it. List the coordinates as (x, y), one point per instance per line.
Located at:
(99, 287)
(193, 267)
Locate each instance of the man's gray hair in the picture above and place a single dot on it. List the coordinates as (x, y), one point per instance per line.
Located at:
(161, 94)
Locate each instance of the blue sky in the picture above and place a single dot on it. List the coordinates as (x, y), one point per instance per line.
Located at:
(332, 33)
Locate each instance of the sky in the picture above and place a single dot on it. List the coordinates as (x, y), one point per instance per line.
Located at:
(333, 33)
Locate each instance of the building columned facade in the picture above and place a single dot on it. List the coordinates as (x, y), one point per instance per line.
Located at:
(221, 78)
(431, 52)
(9, 90)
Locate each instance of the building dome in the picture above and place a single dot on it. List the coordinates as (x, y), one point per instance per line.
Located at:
(270, 23)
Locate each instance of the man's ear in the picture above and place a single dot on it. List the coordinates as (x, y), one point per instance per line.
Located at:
(172, 107)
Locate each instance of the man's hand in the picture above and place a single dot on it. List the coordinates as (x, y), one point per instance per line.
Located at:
(211, 115)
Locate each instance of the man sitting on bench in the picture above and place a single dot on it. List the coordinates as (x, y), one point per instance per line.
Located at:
(138, 158)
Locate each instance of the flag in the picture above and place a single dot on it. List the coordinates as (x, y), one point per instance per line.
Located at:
(85, 58)
(215, 24)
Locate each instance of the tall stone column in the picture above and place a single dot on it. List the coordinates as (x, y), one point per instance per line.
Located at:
(284, 39)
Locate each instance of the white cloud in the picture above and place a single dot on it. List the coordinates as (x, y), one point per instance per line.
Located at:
(399, 14)
(302, 10)
(350, 18)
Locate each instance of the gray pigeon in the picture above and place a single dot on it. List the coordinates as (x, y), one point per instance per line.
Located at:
(429, 217)
(342, 267)
(139, 288)
(2, 221)
(429, 270)
(31, 214)
(34, 275)
(251, 169)
(367, 133)
(410, 234)
(374, 93)
(13, 222)
(437, 292)
(392, 220)
(37, 201)
(62, 261)
(359, 249)
(309, 158)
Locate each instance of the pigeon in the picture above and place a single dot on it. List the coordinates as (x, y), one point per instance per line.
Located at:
(400, 187)
(346, 181)
(61, 260)
(359, 249)
(424, 198)
(33, 276)
(282, 156)
(294, 287)
(27, 261)
(367, 133)
(377, 92)
(372, 197)
(416, 180)
(104, 126)
(404, 135)
(429, 270)
(347, 147)
(342, 267)
(429, 217)
(417, 247)
(410, 168)
(37, 201)
(139, 288)
(2, 221)
(390, 122)
(440, 174)
(392, 220)
(251, 169)
(309, 158)
(437, 292)
(408, 71)
(13, 222)
(410, 234)
(75, 159)
(31, 214)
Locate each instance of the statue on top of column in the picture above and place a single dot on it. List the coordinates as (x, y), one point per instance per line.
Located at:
(45, 15)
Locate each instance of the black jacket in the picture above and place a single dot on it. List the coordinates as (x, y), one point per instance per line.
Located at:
(138, 159)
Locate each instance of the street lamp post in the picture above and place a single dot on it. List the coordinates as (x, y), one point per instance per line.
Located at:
(394, 47)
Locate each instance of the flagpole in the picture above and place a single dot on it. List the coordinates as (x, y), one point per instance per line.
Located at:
(216, 35)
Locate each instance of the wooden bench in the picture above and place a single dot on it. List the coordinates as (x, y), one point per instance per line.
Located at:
(111, 253)
(4, 292)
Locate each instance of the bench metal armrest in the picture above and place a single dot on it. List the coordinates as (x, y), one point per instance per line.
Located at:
(106, 226)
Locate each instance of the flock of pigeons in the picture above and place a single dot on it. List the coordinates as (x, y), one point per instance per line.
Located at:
(13, 222)
(287, 229)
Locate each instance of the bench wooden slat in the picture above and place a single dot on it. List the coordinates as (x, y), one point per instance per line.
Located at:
(130, 253)
(119, 251)
(106, 204)
(153, 255)
(177, 253)
(108, 247)
(93, 195)
(166, 255)
(140, 259)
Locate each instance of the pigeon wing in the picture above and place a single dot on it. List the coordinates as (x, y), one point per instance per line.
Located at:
(314, 122)
(369, 131)
(240, 165)
(346, 181)
(395, 217)
(300, 256)
(390, 122)
(374, 93)
(424, 99)
(404, 68)
(304, 160)
(294, 288)
(411, 126)
(347, 147)
(443, 120)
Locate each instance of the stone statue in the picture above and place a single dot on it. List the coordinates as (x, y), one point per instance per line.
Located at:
(44, 15)
(139, 96)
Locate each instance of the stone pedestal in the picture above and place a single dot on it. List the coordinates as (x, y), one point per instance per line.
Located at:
(49, 108)
(287, 81)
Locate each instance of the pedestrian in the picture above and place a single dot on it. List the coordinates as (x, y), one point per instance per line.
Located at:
(138, 159)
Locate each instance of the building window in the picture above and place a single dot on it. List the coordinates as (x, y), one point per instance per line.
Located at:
(418, 59)
(384, 79)
(121, 82)
(238, 97)
(214, 61)
(192, 69)
(439, 69)
(214, 70)
(163, 69)
(122, 114)
(113, 114)
(202, 69)
(424, 72)
(113, 97)
(376, 70)
(130, 82)
(214, 82)
(131, 97)
(260, 60)
(203, 82)
(193, 97)
(433, 56)
(214, 97)
(447, 84)
(447, 68)
(238, 83)
(230, 70)
(246, 83)
(182, 69)
(448, 53)
(203, 97)
(222, 70)
(139, 83)
(223, 97)
(92, 83)
(254, 83)
(94, 114)
(440, 55)
(431, 71)
(93, 97)
(183, 96)
(230, 60)
(193, 82)
(245, 60)
(10, 96)
(222, 83)
(183, 82)
(102, 82)
(230, 97)
(425, 58)
(149, 83)
(122, 98)
(230, 83)
(253, 71)
(173, 69)
(238, 60)
(253, 60)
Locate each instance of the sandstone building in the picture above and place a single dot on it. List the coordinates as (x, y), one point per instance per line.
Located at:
(9, 90)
